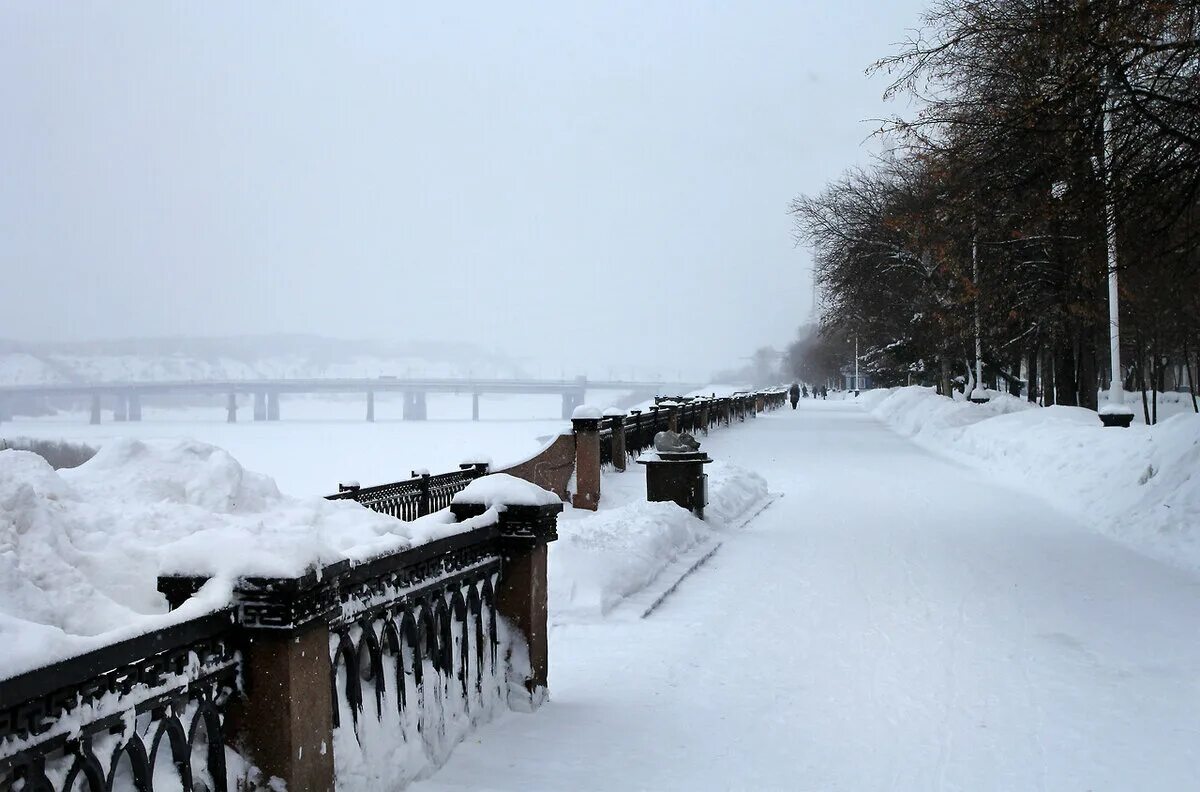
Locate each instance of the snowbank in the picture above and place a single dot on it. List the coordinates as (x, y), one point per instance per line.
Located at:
(601, 558)
(1139, 485)
(81, 549)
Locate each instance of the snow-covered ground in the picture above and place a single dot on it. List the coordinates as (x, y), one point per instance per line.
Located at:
(1140, 485)
(897, 620)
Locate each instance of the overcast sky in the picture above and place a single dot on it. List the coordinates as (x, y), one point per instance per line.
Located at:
(601, 181)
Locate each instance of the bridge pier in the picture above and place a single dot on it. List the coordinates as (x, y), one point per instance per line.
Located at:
(260, 406)
(371, 406)
(570, 400)
(95, 419)
(474, 406)
(120, 407)
(231, 408)
(273, 406)
(135, 406)
(414, 406)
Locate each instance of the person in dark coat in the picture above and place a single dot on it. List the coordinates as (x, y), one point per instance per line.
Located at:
(794, 393)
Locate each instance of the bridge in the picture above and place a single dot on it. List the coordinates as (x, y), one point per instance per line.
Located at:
(126, 397)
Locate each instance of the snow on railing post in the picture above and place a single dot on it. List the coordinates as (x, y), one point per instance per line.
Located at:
(616, 420)
(528, 522)
(585, 421)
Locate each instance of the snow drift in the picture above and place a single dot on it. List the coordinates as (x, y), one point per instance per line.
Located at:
(602, 558)
(81, 549)
(1140, 485)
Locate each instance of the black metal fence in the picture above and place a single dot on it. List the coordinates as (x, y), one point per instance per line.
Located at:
(415, 497)
(414, 645)
(152, 707)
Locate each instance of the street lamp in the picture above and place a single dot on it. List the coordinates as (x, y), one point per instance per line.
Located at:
(1116, 412)
(978, 394)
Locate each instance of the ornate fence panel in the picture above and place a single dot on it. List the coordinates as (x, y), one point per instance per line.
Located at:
(414, 646)
(415, 497)
(606, 447)
(144, 713)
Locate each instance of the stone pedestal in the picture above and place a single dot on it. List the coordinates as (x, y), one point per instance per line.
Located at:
(678, 477)
(587, 463)
(285, 719)
(617, 426)
(521, 592)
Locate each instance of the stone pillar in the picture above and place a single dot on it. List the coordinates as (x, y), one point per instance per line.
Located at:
(704, 414)
(273, 406)
(260, 406)
(474, 406)
(587, 458)
(95, 408)
(231, 408)
(673, 417)
(135, 406)
(370, 406)
(285, 720)
(617, 423)
(120, 407)
(521, 593)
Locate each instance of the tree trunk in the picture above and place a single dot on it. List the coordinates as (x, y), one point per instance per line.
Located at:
(1065, 390)
(1031, 390)
(1141, 367)
(1187, 365)
(944, 378)
(1089, 380)
(1048, 377)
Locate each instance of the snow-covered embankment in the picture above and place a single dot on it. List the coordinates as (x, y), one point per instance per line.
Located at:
(1139, 485)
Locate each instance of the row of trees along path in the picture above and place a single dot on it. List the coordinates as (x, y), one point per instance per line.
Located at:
(1039, 121)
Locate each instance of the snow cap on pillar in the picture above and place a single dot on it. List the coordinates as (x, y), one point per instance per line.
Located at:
(587, 411)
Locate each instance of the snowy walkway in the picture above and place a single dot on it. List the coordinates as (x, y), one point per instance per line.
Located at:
(867, 632)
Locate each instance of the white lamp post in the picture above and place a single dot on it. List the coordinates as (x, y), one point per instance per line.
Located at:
(978, 394)
(1116, 412)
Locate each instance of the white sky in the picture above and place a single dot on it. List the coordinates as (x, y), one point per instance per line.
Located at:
(602, 182)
